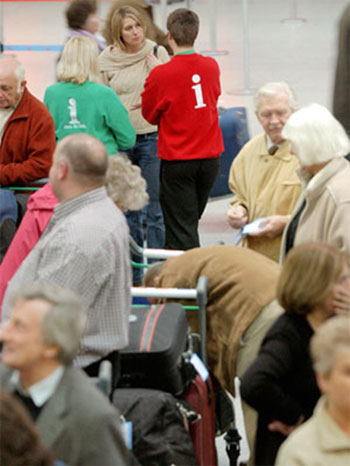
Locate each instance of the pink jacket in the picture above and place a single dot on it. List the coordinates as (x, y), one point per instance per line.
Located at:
(39, 211)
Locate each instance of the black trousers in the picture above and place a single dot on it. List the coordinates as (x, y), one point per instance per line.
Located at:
(184, 190)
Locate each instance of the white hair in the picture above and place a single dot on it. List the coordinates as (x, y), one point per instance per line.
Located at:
(274, 88)
(20, 75)
(316, 136)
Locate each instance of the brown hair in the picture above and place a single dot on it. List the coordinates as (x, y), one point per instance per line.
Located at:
(19, 440)
(78, 11)
(116, 23)
(308, 275)
(149, 279)
(183, 25)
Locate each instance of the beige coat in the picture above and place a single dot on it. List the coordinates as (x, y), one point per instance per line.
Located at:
(318, 442)
(241, 284)
(265, 185)
(126, 73)
(326, 217)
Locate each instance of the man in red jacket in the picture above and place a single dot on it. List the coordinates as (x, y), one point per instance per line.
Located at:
(181, 98)
(27, 131)
(27, 141)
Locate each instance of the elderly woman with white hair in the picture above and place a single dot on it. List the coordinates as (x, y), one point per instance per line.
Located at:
(323, 211)
(325, 439)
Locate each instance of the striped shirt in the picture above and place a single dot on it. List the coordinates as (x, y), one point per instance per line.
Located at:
(85, 248)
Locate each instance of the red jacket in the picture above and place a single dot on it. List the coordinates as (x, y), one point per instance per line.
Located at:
(28, 142)
(181, 98)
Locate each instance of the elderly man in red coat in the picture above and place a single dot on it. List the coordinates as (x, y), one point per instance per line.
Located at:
(27, 140)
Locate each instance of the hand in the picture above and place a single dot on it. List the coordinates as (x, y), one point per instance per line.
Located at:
(152, 61)
(285, 429)
(272, 226)
(237, 216)
(135, 107)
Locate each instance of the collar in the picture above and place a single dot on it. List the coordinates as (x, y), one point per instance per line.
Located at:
(314, 184)
(270, 144)
(65, 208)
(18, 102)
(186, 52)
(283, 152)
(331, 436)
(41, 391)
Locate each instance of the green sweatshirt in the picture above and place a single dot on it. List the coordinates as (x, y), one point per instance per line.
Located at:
(90, 108)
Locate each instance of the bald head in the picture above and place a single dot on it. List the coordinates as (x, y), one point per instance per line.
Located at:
(79, 164)
(12, 82)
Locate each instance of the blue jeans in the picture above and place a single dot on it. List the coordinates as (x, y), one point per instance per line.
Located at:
(144, 154)
(8, 205)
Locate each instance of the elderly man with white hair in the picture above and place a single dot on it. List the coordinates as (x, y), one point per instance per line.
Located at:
(27, 141)
(40, 340)
(27, 132)
(322, 213)
(262, 176)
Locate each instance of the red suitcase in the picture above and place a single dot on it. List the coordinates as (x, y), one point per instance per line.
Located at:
(200, 395)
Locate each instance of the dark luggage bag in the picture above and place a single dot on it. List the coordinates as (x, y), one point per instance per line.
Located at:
(159, 435)
(159, 349)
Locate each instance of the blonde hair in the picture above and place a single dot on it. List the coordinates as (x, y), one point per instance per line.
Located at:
(125, 184)
(115, 24)
(79, 61)
(316, 135)
(330, 338)
(308, 275)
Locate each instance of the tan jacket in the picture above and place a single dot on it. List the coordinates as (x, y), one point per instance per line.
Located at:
(265, 185)
(241, 283)
(326, 217)
(126, 73)
(318, 442)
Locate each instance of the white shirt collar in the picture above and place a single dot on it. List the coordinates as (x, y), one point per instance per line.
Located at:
(270, 144)
(41, 391)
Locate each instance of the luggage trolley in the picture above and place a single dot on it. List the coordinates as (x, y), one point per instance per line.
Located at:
(236, 443)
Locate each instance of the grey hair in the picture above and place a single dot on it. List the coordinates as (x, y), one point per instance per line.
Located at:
(332, 337)
(274, 88)
(317, 137)
(64, 322)
(125, 184)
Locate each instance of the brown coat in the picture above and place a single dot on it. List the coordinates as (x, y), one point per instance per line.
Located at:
(241, 283)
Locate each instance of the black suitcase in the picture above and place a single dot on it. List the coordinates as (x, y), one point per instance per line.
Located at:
(159, 435)
(159, 349)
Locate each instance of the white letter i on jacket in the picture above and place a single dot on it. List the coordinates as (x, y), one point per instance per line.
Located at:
(198, 91)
